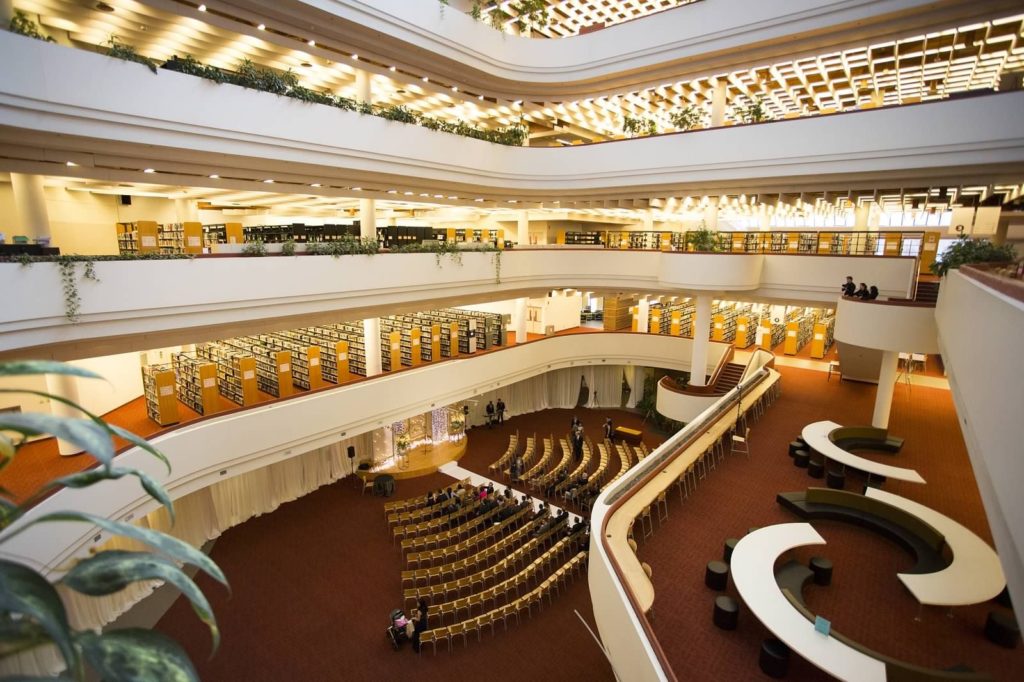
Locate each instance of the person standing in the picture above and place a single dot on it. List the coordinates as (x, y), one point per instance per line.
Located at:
(608, 430)
(501, 411)
(419, 624)
(490, 414)
(849, 288)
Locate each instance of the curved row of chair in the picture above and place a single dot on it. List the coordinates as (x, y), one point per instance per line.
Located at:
(581, 468)
(411, 503)
(434, 524)
(625, 463)
(506, 459)
(528, 454)
(538, 468)
(544, 480)
(526, 602)
(515, 537)
(489, 575)
(505, 591)
(453, 552)
(462, 531)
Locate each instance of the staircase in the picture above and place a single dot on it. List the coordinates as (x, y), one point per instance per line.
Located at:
(728, 378)
(927, 292)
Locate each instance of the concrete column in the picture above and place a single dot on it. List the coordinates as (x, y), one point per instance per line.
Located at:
(701, 340)
(6, 13)
(368, 219)
(763, 219)
(711, 214)
(364, 86)
(30, 205)
(860, 216)
(66, 387)
(718, 104)
(371, 345)
(523, 227)
(643, 316)
(648, 220)
(519, 320)
(886, 385)
(186, 210)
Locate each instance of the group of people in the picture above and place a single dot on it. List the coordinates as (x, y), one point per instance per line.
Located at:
(864, 292)
(495, 413)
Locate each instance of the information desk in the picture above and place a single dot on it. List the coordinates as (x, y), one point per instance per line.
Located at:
(627, 435)
(974, 576)
(816, 436)
(752, 568)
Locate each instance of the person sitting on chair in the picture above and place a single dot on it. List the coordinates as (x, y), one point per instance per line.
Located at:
(872, 293)
(862, 291)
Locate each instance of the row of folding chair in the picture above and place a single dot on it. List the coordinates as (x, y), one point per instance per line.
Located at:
(542, 482)
(538, 468)
(582, 467)
(506, 459)
(410, 503)
(502, 614)
(528, 453)
(462, 531)
(434, 525)
(454, 552)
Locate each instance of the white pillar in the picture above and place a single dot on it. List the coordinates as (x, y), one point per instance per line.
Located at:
(718, 104)
(371, 345)
(364, 89)
(6, 13)
(711, 214)
(648, 220)
(523, 227)
(186, 210)
(30, 204)
(886, 385)
(860, 216)
(519, 320)
(763, 219)
(643, 315)
(701, 340)
(368, 219)
(66, 387)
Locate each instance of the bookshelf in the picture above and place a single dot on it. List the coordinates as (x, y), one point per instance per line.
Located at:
(196, 381)
(617, 313)
(140, 236)
(306, 369)
(236, 372)
(822, 339)
(158, 389)
(352, 332)
(333, 346)
(273, 367)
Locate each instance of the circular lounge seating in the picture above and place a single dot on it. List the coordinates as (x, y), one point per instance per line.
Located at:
(822, 569)
(727, 612)
(716, 575)
(727, 549)
(801, 458)
(774, 659)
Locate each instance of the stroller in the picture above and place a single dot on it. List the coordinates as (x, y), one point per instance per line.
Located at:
(396, 630)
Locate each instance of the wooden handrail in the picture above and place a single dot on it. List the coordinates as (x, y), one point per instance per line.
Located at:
(708, 389)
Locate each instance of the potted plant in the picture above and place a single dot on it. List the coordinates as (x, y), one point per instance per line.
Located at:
(403, 443)
(686, 119)
(456, 424)
(703, 239)
(965, 251)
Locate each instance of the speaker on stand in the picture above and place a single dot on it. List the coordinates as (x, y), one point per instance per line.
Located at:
(352, 458)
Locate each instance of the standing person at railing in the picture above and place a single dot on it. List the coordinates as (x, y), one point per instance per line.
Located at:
(862, 291)
(849, 288)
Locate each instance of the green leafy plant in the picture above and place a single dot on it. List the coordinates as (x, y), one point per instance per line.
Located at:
(687, 118)
(119, 50)
(190, 66)
(703, 239)
(530, 14)
(288, 248)
(254, 248)
(349, 245)
(648, 403)
(397, 112)
(254, 77)
(32, 613)
(965, 251)
(23, 26)
(638, 126)
(753, 112)
(496, 261)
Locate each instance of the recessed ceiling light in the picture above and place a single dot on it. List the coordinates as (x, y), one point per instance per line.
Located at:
(104, 7)
(357, 189)
(355, 56)
(391, 69)
(316, 184)
(148, 170)
(202, 8)
(261, 27)
(214, 176)
(478, 199)
(71, 164)
(426, 80)
(480, 97)
(439, 196)
(312, 43)
(453, 197)
(513, 201)
(408, 194)
(424, 194)
(392, 191)
(268, 181)
(455, 88)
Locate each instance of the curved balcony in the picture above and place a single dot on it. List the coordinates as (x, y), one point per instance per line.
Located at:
(61, 103)
(900, 326)
(226, 445)
(137, 305)
(685, 42)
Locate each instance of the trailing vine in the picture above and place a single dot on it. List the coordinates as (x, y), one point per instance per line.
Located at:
(22, 25)
(496, 260)
(72, 301)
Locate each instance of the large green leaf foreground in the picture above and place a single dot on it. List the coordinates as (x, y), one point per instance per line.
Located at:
(32, 613)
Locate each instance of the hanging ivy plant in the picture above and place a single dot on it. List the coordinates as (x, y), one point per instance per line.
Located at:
(23, 26)
(119, 50)
(687, 118)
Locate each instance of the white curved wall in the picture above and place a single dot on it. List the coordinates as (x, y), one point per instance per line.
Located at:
(979, 333)
(883, 326)
(179, 122)
(235, 443)
(137, 305)
(682, 407)
(687, 37)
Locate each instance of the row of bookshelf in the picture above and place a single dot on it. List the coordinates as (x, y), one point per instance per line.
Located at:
(236, 371)
(159, 393)
(195, 382)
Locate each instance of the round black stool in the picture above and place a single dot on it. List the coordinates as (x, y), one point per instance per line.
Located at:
(801, 458)
(716, 575)
(752, 529)
(822, 569)
(800, 439)
(730, 545)
(727, 612)
(1004, 598)
(836, 479)
(794, 446)
(816, 469)
(774, 660)
(1001, 628)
